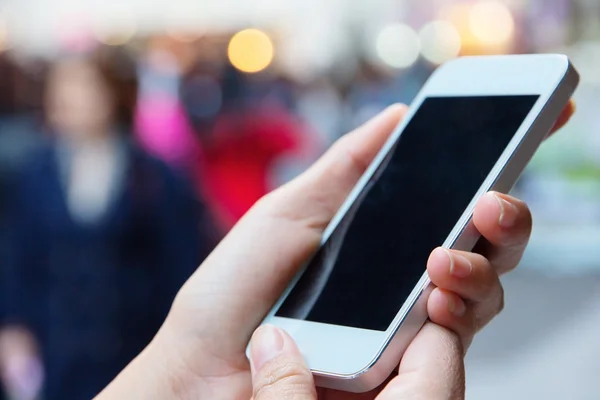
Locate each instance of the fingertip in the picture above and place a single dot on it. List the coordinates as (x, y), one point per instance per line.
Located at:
(502, 219)
(487, 212)
(267, 342)
(390, 115)
(438, 264)
(446, 308)
(571, 108)
(450, 311)
(384, 122)
(278, 368)
(397, 108)
(495, 212)
(436, 303)
(565, 115)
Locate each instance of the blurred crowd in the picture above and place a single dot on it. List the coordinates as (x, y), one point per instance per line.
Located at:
(120, 168)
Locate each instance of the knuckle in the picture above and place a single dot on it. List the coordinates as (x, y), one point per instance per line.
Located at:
(487, 311)
(267, 203)
(358, 164)
(285, 379)
(289, 203)
(486, 278)
(496, 298)
(352, 162)
(275, 206)
(489, 285)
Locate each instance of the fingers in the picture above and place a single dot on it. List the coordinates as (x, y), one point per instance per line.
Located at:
(278, 369)
(450, 311)
(469, 275)
(565, 116)
(468, 294)
(239, 282)
(505, 225)
(432, 368)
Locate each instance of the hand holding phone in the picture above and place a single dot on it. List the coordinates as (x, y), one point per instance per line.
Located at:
(361, 299)
(200, 350)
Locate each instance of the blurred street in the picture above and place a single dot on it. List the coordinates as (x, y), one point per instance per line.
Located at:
(545, 343)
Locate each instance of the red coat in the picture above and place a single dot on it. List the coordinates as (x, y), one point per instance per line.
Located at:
(235, 164)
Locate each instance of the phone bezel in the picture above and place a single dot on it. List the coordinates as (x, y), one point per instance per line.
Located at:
(325, 347)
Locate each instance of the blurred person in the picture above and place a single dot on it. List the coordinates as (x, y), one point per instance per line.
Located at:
(20, 119)
(244, 138)
(19, 116)
(162, 127)
(102, 236)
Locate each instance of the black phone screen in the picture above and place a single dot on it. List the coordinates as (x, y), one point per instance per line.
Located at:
(375, 256)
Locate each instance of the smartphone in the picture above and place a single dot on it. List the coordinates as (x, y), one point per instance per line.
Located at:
(474, 126)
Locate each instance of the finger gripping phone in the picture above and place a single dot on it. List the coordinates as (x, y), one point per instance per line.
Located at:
(361, 299)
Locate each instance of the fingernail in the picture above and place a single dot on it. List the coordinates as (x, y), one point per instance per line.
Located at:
(456, 306)
(508, 212)
(460, 266)
(267, 343)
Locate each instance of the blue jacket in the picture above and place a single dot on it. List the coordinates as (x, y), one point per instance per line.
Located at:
(95, 295)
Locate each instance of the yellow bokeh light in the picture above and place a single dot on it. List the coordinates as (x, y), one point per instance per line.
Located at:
(250, 50)
(4, 36)
(491, 22)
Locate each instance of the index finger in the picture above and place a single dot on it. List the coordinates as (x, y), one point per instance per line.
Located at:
(243, 277)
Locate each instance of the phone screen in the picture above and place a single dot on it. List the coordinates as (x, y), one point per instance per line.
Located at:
(370, 264)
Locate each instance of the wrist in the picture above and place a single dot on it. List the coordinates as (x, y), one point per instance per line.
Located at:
(157, 373)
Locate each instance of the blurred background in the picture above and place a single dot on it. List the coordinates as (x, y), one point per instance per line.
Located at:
(134, 134)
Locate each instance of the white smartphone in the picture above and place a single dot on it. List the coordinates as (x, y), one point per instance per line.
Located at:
(361, 299)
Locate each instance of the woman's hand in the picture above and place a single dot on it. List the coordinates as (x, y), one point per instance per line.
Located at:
(467, 296)
(200, 350)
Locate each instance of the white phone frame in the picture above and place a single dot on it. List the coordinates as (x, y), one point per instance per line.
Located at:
(358, 360)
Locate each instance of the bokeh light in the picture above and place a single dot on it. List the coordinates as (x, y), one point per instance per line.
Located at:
(491, 22)
(4, 36)
(203, 97)
(440, 41)
(398, 45)
(250, 50)
(118, 31)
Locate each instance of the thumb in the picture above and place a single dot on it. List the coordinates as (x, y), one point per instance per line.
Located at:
(432, 368)
(278, 369)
